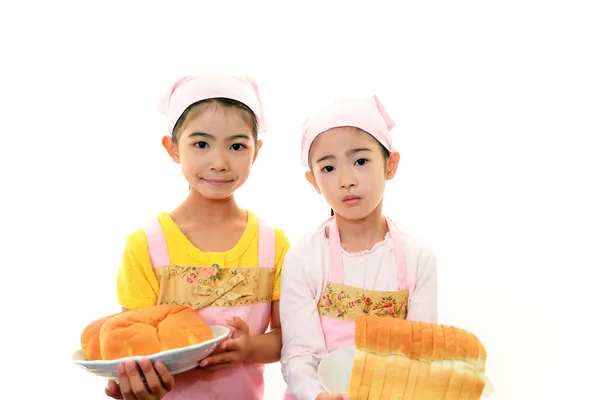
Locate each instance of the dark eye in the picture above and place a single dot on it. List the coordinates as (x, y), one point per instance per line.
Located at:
(201, 145)
(237, 147)
(361, 161)
(328, 168)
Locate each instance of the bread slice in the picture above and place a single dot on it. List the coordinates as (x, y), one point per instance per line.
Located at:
(423, 386)
(470, 378)
(382, 346)
(405, 360)
(457, 371)
(360, 358)
(414, 355)
(398, 366)
(479, 379)
(438, 379)
(372, 329)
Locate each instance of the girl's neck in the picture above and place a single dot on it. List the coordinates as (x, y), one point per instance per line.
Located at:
(362, 234)
(198, 209)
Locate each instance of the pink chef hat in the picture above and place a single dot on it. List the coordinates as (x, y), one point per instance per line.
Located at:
(366, 113)
(191, 89)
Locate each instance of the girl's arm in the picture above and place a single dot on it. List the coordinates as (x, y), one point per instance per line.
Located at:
(423, 305)
(266, 348)
(303, 341)
(137, 285)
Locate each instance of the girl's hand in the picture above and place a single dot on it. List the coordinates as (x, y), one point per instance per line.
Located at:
(131, 386)
(231, 351)
(328, 396)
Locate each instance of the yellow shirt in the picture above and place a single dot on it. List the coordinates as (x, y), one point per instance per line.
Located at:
(137, 285)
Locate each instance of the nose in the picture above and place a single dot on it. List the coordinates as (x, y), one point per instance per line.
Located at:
(219, 161)
(347, 179)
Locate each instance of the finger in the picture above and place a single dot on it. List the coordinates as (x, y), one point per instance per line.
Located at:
(124, 385)
(238, 323)
(327, 396)
(221, 347)
(168, 382)
(231, 345)
(153, 383)
(112, 390)
(108, 393)
(220, 358)
(217, 367)
(138, 387)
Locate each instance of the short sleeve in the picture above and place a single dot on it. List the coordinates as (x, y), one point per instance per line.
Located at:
(282, 245)
(137, 285)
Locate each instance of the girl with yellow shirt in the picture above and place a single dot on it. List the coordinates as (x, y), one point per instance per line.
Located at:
(209, 253)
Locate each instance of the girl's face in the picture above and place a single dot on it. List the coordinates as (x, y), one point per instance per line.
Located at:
(350, 170)
(216, 149)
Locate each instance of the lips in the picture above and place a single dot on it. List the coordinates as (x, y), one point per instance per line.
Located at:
(217, 182)
(351, 199)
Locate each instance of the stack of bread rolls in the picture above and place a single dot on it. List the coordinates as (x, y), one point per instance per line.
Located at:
(144, 332)
(405, 360)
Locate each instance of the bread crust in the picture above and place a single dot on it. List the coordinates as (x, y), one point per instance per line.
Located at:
(90, 338)
(143, 332)
(399, 359)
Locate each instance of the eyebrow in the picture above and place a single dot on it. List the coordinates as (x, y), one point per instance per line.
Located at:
(349, 152)
(209, 136)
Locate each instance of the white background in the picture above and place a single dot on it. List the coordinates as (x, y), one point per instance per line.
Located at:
(497, 107)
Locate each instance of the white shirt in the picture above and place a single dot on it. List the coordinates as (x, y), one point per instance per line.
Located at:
(304, 277)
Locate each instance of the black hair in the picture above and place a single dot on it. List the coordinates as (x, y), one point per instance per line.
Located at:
(223, 101)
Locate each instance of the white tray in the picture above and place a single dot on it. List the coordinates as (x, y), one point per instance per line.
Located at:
(176, 361)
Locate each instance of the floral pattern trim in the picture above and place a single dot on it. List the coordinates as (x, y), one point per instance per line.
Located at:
(346, 302)
(200, 287)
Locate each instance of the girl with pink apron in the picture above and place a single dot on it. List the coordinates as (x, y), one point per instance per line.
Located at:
(218, 293)
(340, 304)
(216, 152)
(348, 151)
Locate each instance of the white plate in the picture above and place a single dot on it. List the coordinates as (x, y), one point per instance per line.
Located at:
(177, 360)
(335, 369)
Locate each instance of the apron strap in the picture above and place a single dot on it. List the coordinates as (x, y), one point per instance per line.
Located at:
(266, 245)
(399, 255)
(157, 244)
(336, 269)
(159, 254)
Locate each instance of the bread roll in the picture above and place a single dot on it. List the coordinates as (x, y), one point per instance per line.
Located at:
(406, 360)
(90, 339)
(143, 332)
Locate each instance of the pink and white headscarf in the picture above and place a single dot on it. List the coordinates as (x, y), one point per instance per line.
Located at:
(366, 113)
(193, 88)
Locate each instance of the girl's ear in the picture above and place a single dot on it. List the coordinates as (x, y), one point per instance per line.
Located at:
(171, 148)
(311, 179)
(392, 165)
(259, 144)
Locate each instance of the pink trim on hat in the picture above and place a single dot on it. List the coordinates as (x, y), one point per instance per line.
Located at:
(366, 113)
(193, 88)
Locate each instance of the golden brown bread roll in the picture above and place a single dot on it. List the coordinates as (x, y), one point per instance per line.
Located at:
(144, 331)
(90, 338)
(405, 360)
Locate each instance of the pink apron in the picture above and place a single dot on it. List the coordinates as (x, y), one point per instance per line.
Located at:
(340, 304)
(218, 293)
